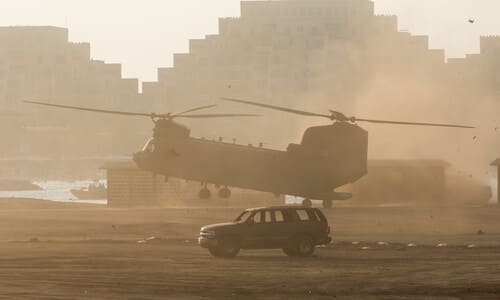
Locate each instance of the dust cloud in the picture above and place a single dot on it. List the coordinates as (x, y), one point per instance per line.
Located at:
(389, 86)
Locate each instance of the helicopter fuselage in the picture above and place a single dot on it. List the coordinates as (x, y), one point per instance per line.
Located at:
(328, 157)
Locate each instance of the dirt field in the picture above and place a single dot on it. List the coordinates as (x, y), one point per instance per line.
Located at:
(52, 251)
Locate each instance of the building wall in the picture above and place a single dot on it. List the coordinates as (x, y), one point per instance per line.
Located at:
(131, 187)
(306, 54)
(40, 64)
(312, 54)
(401, 181)
(423, 182)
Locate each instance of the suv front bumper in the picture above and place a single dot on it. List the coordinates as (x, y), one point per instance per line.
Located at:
(207, 242)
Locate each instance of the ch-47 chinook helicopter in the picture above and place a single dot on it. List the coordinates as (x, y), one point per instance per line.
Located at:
(328, 157)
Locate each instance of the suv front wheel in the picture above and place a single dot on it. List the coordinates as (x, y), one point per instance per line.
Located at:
(290, 251)
(225, 250)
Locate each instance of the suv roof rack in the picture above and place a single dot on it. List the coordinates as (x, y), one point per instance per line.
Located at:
(279, 207)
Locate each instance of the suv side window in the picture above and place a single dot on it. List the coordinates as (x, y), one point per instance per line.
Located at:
(319, 215)
(266, 215)
(278, 216)
(303, 215)
(312, 215)
(257, 217)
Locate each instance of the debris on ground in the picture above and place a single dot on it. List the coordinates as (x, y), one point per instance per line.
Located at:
(150, 240)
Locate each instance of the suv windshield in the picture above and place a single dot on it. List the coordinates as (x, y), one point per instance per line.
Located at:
(243, 217)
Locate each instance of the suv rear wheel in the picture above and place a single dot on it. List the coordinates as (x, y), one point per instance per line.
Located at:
(303, 246)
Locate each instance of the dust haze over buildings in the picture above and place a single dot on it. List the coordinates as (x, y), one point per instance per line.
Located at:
(316, 55)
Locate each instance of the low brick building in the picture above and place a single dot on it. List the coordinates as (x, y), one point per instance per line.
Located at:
(130, 186)
(396, 181)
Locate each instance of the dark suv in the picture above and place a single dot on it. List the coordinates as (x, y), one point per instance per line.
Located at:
(296, 230)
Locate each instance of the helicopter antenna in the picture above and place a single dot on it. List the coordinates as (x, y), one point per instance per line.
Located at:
(340, 117)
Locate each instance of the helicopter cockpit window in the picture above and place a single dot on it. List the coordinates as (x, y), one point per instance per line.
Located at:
(150, 145)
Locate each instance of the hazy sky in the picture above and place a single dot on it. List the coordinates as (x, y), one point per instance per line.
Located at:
(143, 34)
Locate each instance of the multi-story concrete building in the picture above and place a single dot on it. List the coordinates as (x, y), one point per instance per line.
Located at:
(314, 54)
(319, 54)
(38, 63)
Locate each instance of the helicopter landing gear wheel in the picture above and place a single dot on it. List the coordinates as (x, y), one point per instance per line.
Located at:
(327, 203)
(225, 193)
(307, 203)
(204, 193)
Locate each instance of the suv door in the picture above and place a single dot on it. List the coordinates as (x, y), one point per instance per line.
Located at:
(258, 232)
(308, 222)
(282, 230)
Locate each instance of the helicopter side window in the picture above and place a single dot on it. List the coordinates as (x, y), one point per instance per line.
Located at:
(150, 145)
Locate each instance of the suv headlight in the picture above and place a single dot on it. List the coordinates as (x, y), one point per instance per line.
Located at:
(207, 233)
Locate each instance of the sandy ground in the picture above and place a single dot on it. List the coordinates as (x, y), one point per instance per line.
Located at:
(54, 251)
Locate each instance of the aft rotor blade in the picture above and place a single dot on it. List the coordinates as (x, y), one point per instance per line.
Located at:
(216, 116)
(412, 123)
(125, 113)
(193, 110)
(293, 111)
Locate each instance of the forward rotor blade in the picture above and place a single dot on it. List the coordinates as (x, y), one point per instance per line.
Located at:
(115, 112)
(293, 111)
(216, 116)
(193, 110)
(412, 123)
